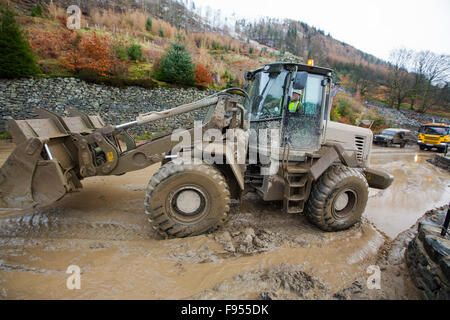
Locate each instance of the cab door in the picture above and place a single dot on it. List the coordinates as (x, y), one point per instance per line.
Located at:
(266, 112)
(303, 128)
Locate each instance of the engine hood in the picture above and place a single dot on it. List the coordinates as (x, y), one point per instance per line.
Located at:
(352, 138)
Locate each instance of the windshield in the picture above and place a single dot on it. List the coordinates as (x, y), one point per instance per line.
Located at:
(266, 93)
(388, 132)
(434, 130)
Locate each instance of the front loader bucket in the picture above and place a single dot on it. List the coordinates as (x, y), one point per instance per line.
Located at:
(44, 166)
(27, 181)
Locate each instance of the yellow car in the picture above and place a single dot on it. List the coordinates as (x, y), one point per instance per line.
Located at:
(434, 135)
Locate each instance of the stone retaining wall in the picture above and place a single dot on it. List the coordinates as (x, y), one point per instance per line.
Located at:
(428, 259)
(441, 161)
(114, 105)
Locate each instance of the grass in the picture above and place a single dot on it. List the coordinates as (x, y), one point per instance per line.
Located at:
(5, 135)
(151, 135)
(139, 70)
(145, 136)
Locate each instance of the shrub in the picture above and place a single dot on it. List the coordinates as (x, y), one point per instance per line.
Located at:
(230, 83)
(135, 52)
(88, 75)
(346, 109)
(121, 52)
(227, 75)
(37, 11)
(16, 59)
(148, 24)
(379, 122)
(176, 66)
(344, 113)
(47, 44)
(90, 52)
(202, 75)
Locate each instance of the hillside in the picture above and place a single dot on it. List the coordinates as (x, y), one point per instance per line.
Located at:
(131, 37)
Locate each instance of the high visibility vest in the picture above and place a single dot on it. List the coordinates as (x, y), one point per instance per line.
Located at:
(293, 106)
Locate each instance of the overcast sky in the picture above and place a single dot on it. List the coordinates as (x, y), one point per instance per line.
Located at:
(375, 26)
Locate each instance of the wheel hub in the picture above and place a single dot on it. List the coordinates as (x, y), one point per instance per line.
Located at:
(188, 201)
(341, 201)
(344, 203)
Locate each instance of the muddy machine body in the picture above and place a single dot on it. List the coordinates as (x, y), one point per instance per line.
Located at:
(313, 165)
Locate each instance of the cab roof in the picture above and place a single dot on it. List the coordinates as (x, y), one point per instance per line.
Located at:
(300, 67)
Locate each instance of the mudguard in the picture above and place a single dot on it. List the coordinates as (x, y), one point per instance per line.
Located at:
(378, 179)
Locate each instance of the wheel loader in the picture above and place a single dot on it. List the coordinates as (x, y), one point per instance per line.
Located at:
(313, 165)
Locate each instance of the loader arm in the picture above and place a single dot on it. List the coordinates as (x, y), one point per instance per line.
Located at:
(54, 153)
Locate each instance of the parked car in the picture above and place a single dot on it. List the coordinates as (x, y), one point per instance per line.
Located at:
(389, 137)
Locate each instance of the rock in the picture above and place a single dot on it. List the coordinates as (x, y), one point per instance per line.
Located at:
(225, 236)
(226, 241)
(403, 118)
(249, 232)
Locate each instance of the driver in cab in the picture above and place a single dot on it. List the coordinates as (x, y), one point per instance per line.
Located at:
(295, 104)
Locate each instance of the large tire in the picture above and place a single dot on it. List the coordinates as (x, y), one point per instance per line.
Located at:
(338, 199)
(187, 199)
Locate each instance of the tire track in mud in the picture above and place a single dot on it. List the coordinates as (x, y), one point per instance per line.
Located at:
(23, 268)
(52, 224)
(281, 282)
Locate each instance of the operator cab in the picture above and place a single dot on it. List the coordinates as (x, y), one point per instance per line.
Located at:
(292, 98)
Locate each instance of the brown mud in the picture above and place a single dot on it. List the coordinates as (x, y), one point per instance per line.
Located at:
(260, 253)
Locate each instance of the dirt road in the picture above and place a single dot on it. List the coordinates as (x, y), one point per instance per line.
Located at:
(260, 253)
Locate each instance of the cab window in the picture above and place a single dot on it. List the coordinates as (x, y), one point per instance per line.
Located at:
(267, 95)
(312, 98)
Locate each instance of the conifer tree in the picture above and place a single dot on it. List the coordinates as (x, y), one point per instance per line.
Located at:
(176, 66)
(16, 59)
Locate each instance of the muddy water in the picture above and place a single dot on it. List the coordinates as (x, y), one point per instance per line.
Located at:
(418, 186)
(260, 251)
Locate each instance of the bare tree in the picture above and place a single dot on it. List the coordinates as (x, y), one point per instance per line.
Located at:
(400, 81)
(434, 69)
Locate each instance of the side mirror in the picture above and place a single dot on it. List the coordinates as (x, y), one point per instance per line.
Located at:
(300, 80)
